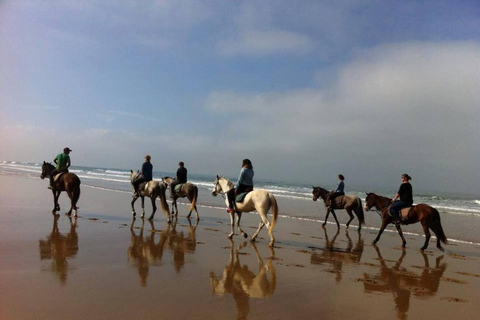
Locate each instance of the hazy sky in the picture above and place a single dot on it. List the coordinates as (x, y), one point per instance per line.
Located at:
(305, 89)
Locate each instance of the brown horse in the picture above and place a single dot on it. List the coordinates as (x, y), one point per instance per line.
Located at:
(188, 190)
(348, 202)
(68, 182)
(429, 218)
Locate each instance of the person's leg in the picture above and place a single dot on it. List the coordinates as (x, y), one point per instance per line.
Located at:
(52, 175)
(172, 188)
(395, 209)
(231, 199)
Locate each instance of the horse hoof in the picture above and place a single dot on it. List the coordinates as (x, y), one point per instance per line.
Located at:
(252, 239)
(441, 249)
(271, 244)
(230, 236)
(245, 235)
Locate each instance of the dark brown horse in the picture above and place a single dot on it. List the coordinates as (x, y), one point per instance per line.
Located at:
(68, 182)
(349, 203)
(188, 190)
(429, 218)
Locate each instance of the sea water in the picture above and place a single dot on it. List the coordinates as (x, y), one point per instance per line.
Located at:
(460, 214)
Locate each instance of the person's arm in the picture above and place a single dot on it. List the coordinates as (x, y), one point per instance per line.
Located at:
(55, 160)
(68, 162)
(398, 194)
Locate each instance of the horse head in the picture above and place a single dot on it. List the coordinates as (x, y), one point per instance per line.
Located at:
(374, 200)
(167, 180)
(134, 175)
(318, 192)
(46, 169)
(221, 185)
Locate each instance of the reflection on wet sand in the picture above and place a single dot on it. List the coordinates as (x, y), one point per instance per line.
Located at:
(145, 252)
(242, 283)
(58, 247)
(336, 256)
(402, 283)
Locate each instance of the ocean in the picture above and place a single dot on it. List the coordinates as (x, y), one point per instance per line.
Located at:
(460, 214)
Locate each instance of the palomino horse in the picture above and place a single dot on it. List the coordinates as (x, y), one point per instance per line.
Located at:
(349, 203)
(259, 200)
(423, 213)
(152, 189)
(188, 190)
(68, 182)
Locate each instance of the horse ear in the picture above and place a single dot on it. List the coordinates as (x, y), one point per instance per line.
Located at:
(218, 178)
(131, 171)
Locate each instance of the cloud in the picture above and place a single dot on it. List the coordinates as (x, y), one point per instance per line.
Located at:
(392, 106)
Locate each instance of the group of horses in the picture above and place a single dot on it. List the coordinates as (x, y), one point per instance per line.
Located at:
(261, 201)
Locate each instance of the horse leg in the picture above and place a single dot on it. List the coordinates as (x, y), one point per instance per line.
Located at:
(133, 208)
(427, 235)
(239, 214)
(400, 232)
(263, 217)
(335, 216)
(260, 226)
(326, 218)
(384, 225)
(143, 207)
(437, 234)
(232, 222)
(349, 211)
(154, 208)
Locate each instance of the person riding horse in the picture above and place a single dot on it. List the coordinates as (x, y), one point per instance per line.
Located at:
(147, 174)
(405, 194)
(181, 177)
(339, 191)
(244, 184)
(62, 161)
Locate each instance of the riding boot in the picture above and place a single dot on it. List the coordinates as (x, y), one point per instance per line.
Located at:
(50, 186)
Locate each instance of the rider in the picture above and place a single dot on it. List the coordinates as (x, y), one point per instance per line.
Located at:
(180, 178)
(147, 174)
(244, 184)
(62, 160)
(338, 191)
(405, 194)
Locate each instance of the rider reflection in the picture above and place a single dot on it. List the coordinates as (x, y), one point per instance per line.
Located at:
(145, 252)
(335, 256)
(59, 247)
(402, 283)
(242, 283)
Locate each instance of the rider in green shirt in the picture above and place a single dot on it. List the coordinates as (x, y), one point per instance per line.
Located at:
(62, 160)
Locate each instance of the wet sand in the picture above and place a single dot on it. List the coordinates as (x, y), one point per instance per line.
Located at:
(106, 265)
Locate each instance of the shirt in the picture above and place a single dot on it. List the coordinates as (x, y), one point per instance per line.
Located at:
(245, 177)
(340, 186)
(405, 192)
(62, 160)
(147, 171)
(182, 174)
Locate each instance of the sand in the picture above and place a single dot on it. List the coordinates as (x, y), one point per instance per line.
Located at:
(106, 265)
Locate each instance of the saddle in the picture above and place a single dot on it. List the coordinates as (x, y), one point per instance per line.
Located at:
(241, 196)
(58, 176)
(337, 201)
(178, 187)
(403, 212)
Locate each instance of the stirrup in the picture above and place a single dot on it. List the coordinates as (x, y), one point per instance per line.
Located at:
(230, 210)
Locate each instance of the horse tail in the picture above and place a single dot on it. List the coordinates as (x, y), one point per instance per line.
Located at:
(359, 211)
(163, 199)
(76, 195)
(194, 199)
(437, 226)
(273, 201)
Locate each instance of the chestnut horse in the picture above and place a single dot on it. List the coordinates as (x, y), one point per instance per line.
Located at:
(349, 203)
(428, 216)
(68, 182)
(188, 190)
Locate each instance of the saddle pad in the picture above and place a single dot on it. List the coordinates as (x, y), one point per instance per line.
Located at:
(338, 200)
(178, 187)
(240, 197)
(404, 213)
(57, 176)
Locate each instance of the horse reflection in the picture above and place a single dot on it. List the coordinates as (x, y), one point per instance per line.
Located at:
(59, 247)
(144, 251)
(402, 283)
(242, 283)
(335, 256)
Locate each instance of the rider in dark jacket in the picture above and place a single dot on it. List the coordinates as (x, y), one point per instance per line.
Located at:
(147, 174)
(180, 178)
(405, 194)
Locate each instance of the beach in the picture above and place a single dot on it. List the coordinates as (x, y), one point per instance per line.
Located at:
(104, 264)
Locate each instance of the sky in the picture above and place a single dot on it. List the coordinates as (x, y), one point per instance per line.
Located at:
(306, 89)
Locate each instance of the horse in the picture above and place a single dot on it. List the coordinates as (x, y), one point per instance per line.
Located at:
(152, 189)
(428, 216)
(258, 199)
(68, 182)
(348, 202)
(188, 190)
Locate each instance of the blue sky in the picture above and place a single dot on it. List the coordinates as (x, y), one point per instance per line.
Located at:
(306, 90)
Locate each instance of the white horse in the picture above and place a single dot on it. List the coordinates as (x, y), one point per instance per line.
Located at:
(152, 189)
(258, 199)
